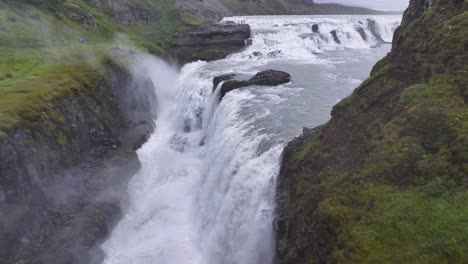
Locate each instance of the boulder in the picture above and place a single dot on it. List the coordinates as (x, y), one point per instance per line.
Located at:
(263, 78)
(211, 42)
(270, 78)
(315, 28)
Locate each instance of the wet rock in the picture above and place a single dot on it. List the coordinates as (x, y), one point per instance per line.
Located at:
(257, 54)
(274, 54)
(225, 77)
(270, 78)
(263, 78)
(315, 28)
(211, 42)
(335, 36)
(52, 172)
(362, 32)
(373, 29)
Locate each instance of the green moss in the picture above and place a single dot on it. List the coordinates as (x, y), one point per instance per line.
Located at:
(36, 97)
(385, 181)
(305, 150)
(43, 57)
(61, 139)
(389, 225)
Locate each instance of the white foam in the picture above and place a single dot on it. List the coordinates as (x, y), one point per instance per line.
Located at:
(205, 192)
(291, 37)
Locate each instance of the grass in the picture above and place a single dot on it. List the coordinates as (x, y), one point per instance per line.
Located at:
(385, 181)
(43, 56)
(400, 226)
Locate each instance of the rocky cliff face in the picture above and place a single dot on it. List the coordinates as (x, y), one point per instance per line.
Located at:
(210, 42)
(62, 176)
(127, 12)
(385, 180)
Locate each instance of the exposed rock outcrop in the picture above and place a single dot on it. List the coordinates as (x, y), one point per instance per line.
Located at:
(62, 178)
(315, 28)
(384, 181)
(373, 29)
(335, 36)
(263, 78)
(362, 32)
(80, 16)
(211, 42)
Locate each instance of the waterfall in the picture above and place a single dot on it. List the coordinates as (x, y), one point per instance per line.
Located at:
(206, 191)
(206, 188)
(292, 38)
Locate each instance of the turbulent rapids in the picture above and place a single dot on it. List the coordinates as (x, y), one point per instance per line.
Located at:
(206, 190)
(292, 37)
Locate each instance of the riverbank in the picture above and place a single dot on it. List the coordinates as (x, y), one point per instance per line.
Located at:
(384, 181)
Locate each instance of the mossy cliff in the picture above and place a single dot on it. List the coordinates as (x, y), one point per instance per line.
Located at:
(386, 179)
(71, 117)
(64, 160)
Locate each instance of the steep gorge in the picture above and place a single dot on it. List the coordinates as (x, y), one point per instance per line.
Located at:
(385, 180)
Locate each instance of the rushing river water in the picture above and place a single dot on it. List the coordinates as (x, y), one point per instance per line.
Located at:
(205, 193)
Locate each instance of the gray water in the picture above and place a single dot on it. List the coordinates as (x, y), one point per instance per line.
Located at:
(206, 190)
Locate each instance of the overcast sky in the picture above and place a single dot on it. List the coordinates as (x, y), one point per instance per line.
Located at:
(394, 5)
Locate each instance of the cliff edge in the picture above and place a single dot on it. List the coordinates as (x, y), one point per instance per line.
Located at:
(385, 180)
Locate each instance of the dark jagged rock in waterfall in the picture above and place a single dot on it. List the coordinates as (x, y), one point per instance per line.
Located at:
(385, 180)
(362, 32)
(211, 42)
(373, 29)
(270, 78)
(335, 36)
(225, 77)
(263, 78)
(315, 28)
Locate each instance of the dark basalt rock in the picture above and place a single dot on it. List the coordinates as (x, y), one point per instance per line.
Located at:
(373, 29)
(263, 78)
(362, 32)
(211, 42)
(61, 183)
(335, 36)
(315, 28)
(270, 78)
(225, 77)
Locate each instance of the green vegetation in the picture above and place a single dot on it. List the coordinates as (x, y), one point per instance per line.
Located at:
(47, 51)
(386, 180)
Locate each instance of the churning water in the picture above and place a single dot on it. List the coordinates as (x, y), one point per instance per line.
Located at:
(205, 193)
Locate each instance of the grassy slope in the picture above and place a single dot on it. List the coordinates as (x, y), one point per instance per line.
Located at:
(42, 56)
(385, 181)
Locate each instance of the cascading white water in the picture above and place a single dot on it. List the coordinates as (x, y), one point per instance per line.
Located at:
(292, 38)
(205, 185)
(205, 192)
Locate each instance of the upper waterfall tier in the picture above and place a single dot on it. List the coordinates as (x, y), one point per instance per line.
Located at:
(302, 37)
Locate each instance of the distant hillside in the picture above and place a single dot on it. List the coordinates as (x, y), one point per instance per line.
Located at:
(219, 8)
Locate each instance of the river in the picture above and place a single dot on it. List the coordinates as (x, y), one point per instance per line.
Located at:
(206, 191)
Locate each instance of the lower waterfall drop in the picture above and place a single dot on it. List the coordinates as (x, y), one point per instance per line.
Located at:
(206, 191)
